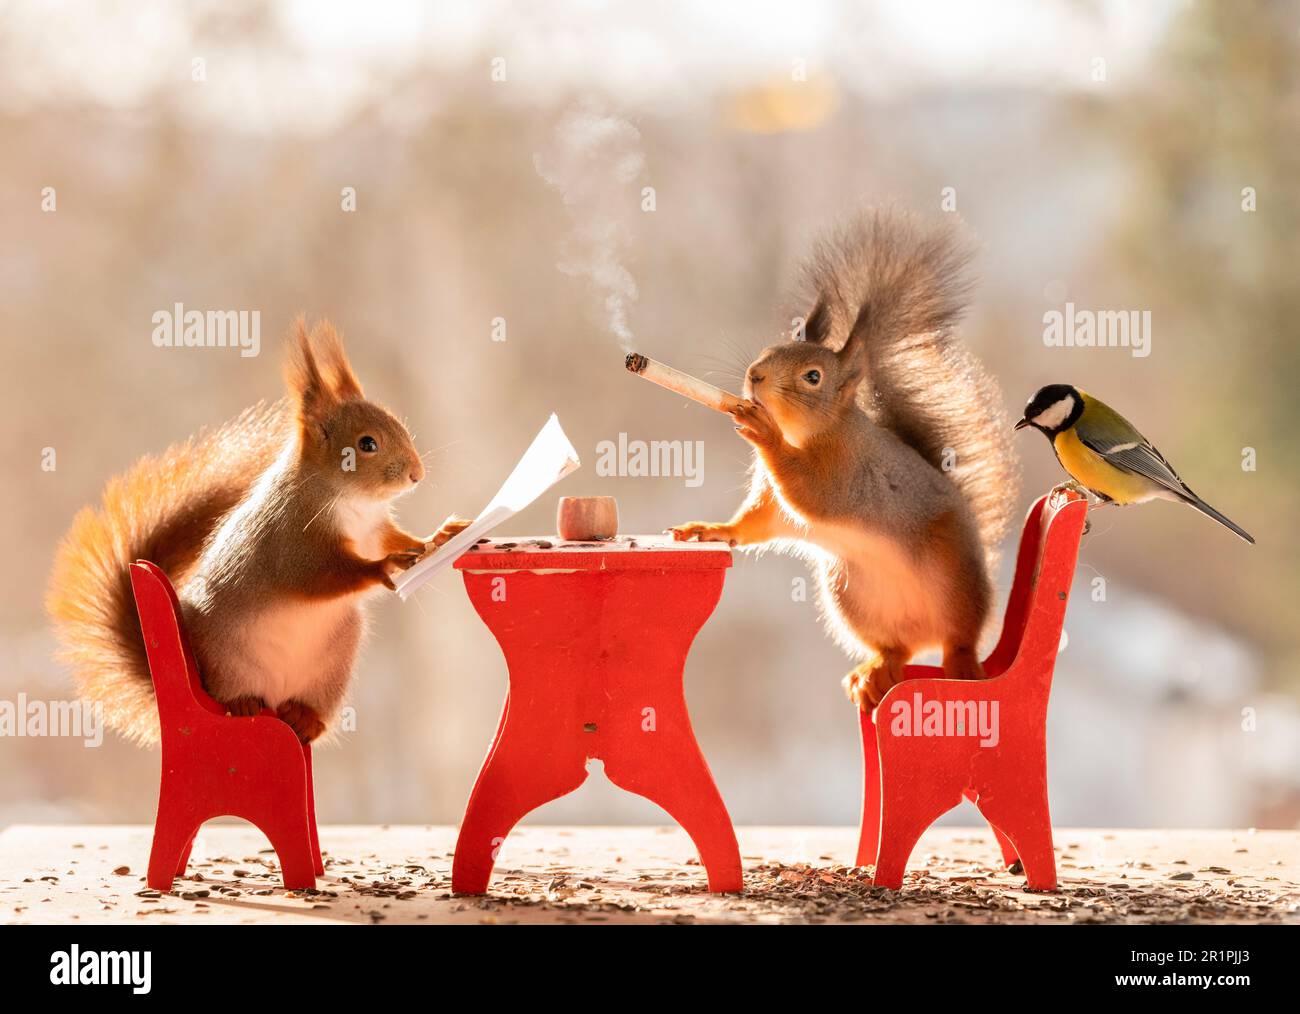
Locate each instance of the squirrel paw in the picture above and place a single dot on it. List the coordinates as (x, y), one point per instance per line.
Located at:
(244, 707)
(452, 526)
(867, 685)
(702, 531)
(755, 424)
(302, 719)
(395, 563)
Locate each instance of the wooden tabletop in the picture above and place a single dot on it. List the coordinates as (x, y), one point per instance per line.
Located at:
(94, 874)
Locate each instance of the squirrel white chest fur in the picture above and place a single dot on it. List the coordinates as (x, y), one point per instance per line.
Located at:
(287, 650)
(362, 522)
(293, 647)
(870, 582)
(283, 648)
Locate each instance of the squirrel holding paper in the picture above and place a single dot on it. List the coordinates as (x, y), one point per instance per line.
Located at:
(881, 451)
(273, 528)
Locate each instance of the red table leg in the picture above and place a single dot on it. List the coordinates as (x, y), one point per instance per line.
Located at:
(595, 639)
(516, 778)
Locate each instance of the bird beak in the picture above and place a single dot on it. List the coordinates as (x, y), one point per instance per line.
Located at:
(1020, 425)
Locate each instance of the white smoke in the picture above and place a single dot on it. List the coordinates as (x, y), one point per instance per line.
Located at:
(591, 161)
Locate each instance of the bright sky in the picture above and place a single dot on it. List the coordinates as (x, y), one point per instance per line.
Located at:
(336, 54)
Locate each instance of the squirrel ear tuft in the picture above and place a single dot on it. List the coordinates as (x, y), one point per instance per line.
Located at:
(312, 397)
(334, 362)
(817, 326)
(852, 355)
(853, 351)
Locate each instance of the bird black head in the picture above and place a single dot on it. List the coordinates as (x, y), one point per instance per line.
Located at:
(1054, 408)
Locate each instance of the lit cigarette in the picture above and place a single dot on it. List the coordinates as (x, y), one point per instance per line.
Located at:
(683, 383)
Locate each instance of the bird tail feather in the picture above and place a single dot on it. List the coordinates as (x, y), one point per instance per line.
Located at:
(1209, 511)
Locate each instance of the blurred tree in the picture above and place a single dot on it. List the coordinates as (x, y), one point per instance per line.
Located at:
(1220, 113)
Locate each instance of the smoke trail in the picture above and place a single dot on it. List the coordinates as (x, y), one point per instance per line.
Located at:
(591, 161)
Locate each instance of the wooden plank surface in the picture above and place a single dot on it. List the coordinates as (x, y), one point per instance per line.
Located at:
(94, 874)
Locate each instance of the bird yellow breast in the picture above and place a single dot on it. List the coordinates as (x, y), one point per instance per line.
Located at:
(1095, 472)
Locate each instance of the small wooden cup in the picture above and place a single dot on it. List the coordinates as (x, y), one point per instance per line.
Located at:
(586, 518)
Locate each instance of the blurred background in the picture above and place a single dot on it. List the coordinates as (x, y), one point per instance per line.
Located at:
(577, 178)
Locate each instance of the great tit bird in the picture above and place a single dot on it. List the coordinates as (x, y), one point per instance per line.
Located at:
(1106, 454)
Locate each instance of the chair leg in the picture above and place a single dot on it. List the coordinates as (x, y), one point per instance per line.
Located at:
(907, 809)
(185, 856)
(1009, 857)
(869, 835)
(318, 863)
(897, 840)
(293, 848)
(1029, 829)
(1009, 854)
(173, 835)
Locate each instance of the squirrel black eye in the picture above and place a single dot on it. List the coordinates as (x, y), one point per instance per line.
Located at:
(813, 377)
(368, 445)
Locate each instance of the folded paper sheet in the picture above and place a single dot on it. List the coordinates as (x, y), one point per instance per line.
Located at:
(548, 459)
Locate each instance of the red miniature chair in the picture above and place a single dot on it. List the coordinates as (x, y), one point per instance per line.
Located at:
(914, 772)
(595, 638)
(216, 765)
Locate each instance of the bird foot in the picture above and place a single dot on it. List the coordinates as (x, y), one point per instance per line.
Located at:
(1072, 486)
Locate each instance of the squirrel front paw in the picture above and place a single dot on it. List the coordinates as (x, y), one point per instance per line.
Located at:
(395, 563)
(302, 719)
(703, 531)
(244, 707)
(451, 527)
(755, 424)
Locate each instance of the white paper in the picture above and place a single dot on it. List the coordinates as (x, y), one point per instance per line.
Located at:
(549, 458)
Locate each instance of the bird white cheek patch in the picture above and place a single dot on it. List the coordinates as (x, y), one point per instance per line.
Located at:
(1056, 414)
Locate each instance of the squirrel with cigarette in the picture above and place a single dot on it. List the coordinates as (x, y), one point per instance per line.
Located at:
(274, 528)
(881, 451)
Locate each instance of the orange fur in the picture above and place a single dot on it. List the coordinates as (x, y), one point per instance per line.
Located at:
(268, 535)
(902, 539)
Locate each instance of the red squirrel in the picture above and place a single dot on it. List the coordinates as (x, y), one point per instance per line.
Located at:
(881, 451)
(273, 527)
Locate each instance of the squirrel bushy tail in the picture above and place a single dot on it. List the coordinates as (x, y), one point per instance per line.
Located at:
(162, 510)
(896, 285)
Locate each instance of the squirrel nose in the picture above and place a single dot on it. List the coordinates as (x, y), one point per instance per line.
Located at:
(756, 378)
(417, 472)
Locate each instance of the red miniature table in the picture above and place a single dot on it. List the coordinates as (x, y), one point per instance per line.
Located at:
(595, 636)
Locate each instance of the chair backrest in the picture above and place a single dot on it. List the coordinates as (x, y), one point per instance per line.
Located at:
(172, 665)
(1040, 590)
